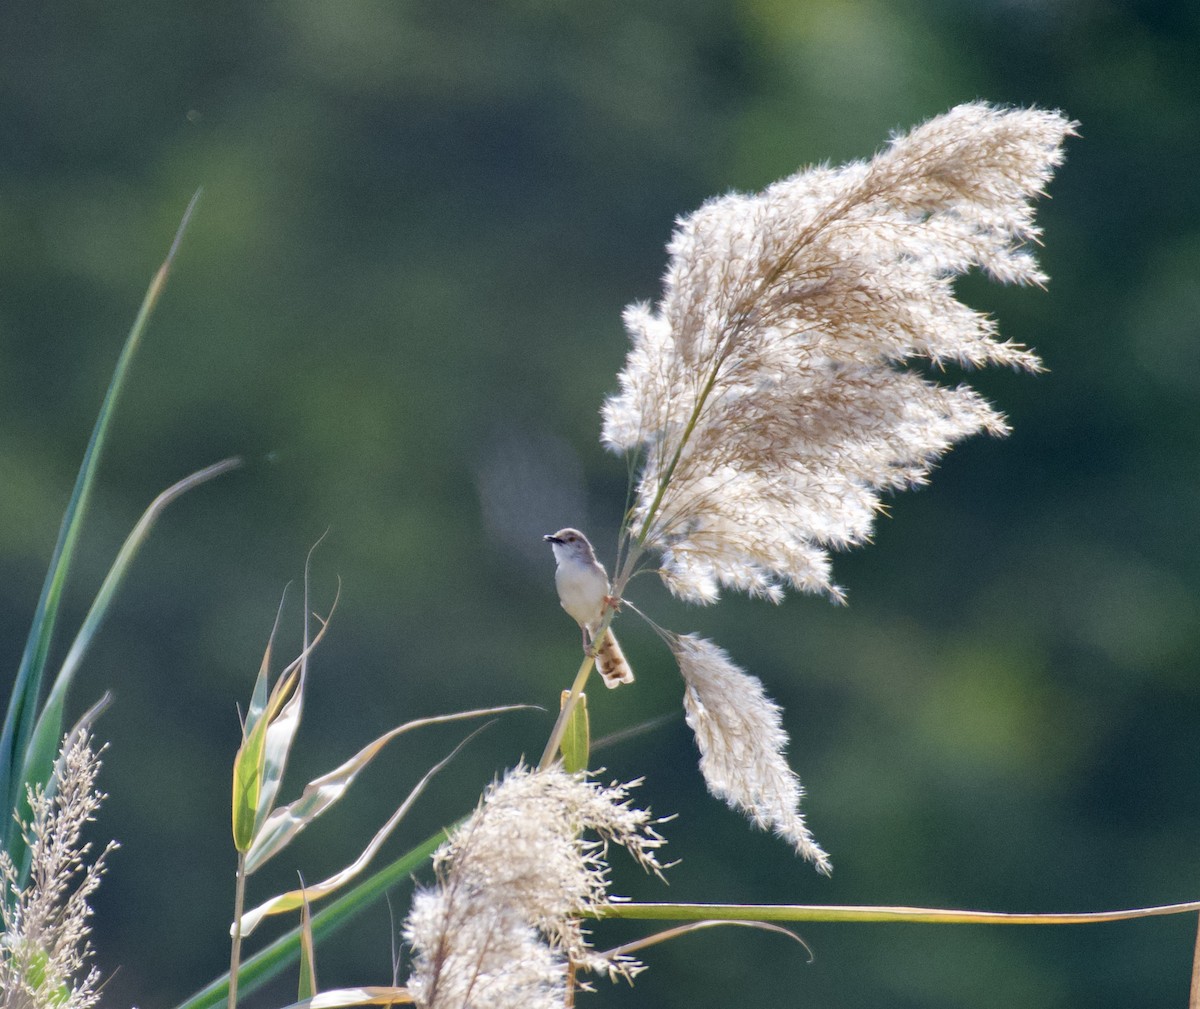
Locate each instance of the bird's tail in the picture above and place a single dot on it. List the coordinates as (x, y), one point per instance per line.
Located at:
(611, 662)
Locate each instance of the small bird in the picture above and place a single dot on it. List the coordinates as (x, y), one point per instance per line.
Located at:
(583, 591)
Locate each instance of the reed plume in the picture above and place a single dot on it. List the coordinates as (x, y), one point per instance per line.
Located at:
(502, 926)
(769, 393)
(779, 388)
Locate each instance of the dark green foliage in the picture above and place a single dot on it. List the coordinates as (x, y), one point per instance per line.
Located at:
(400, 303)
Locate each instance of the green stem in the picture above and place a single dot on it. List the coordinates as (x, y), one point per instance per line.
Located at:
(743, 316)
(665, 479)
(864, 913)
(235, 952)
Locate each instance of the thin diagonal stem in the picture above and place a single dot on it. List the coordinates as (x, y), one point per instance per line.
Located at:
(235, 947)
(868, 913)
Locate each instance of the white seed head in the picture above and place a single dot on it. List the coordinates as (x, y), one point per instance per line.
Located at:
(513, 883)
(743, 744)
(768, 390)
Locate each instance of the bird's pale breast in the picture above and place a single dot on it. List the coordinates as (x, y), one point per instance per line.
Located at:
(581, 589)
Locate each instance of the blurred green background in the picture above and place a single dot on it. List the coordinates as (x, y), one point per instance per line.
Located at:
(400, 302)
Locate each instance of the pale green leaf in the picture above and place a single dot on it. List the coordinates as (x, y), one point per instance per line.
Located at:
(252, 798)
(47, 735)
(308, 956)
(277, 744)
(283, 728)
(576, 741)
(247, 784)
(262, 683)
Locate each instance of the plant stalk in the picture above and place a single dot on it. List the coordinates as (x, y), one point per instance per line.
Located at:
(235, 952)
(865, 913)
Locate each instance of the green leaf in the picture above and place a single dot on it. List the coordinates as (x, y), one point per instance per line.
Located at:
(308, 956)
(34, 970)
(260, 759)
(23, 707)
(47, 734)
(247, 784)
(576, 741)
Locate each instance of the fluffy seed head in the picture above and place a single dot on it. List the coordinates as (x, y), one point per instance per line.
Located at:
(513, 881)
(768, 392)
(743, 744)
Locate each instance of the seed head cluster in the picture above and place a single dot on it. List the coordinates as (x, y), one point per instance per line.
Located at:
(768, 392)
(742, 743)
(780, 388)
(45, 951)
(504, 920)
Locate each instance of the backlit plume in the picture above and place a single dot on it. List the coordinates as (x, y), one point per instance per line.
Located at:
(768, 390)
(503, 923)
(742, 743)
(45, 927)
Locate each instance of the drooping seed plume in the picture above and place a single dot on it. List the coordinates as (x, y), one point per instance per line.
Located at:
(768, 393)
(743, 744)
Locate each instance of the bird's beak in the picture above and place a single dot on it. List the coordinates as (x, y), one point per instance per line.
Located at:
(549, 538)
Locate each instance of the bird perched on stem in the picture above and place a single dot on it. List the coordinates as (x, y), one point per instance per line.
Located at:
(583, 590)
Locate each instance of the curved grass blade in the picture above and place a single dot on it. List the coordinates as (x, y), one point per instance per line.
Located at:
(319, 794)
(694, 926)
(47, 734)
(295, 898)
(865, 913)
(22, 709)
